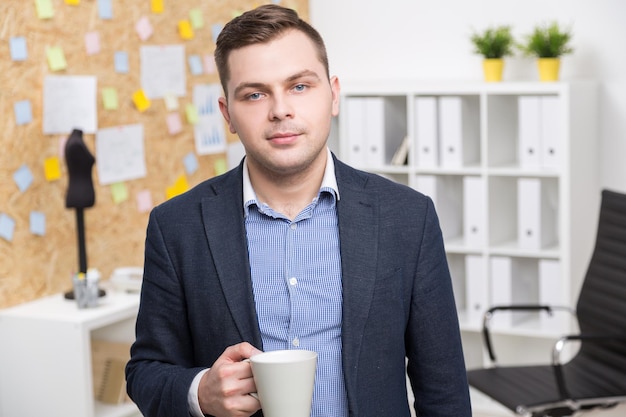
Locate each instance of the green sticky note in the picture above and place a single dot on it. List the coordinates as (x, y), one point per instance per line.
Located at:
(192, 114)
(220, 166)
(196, 19)
(119, 192)
(56, 58)
(109, 98)
(44, 9)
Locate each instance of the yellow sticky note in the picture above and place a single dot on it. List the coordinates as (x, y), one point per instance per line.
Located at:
(180, 186)
(44, 9)
(72, 2)
(119, 192)
(220, 166)
(156, 6)
(52, 168)
(192, 114)
(185, 30)
(141, 101)
(56, 58)
(196, 19)
(109, 98)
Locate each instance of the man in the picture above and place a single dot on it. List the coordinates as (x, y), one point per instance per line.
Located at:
(293, 250)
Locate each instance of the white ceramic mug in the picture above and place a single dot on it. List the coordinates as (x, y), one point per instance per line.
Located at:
(284, 381)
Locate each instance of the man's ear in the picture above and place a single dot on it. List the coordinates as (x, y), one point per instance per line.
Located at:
(335, 88)
(223, 103)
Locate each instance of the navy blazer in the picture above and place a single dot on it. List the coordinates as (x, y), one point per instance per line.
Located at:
(197, 299)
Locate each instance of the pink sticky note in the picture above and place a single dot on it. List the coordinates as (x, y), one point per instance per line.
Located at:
(143, 28)
(92, 43)
(209, 64)
(62, 141)
(144, 201)
(174, 124)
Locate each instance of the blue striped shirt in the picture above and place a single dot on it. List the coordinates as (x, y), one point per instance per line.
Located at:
(296, 279)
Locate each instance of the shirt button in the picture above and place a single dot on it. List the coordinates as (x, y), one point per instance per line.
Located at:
(293, 282)
(293, 226)
(296, 342)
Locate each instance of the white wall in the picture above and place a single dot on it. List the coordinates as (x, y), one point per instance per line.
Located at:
(429, 39)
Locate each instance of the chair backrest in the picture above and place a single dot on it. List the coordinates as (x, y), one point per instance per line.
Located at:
(601, 307)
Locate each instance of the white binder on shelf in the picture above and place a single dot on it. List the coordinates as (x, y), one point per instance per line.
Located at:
(426, 134)
(477, 289)
(456, 263)
(375, 130)
(459, 138)
(474, 232)
(501, 283)
(529, 131)
(551, 293)
(514, 281)
(355, 131)
(447, 195)
(551, 134)
(537, 213)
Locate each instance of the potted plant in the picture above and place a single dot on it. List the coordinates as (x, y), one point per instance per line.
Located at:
(494, 43)
(548, 42)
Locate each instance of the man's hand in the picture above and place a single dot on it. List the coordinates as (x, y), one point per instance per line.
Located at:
(224, 390)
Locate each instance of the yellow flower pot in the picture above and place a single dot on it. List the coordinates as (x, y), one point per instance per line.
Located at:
(548, 69)
(492, 69)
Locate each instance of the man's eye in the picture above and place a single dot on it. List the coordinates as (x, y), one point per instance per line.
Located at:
(254, 96)
(299, 88)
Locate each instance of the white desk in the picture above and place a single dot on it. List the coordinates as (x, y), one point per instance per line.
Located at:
(45, 355)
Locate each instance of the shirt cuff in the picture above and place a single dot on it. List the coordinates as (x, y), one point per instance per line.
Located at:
(192, 396)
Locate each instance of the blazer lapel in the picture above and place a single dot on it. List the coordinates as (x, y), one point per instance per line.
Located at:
(224, 227)
(358, 233)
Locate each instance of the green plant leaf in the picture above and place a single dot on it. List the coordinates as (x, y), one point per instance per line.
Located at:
(548, 41)
(493, 42)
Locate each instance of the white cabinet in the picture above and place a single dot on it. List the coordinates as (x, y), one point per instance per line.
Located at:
(512, 168)
(45, 355)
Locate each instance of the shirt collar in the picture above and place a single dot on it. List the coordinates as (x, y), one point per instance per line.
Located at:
(329, 182)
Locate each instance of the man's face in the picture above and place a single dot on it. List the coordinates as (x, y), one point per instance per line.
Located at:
(280, 103)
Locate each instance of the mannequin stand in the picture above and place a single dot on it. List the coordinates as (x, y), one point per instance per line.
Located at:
(82, 251)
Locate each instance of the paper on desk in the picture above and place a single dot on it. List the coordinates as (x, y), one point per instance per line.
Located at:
(120, 154)
(69, 102)
(163, 70)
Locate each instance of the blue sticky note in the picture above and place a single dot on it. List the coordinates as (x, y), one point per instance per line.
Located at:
(18, 48)
(191, 163)
(215, 31)
(23, 112)
(7, 227)
(105, 9)
(195, 64)
(121, 62)
(23, 178)
(37, 223)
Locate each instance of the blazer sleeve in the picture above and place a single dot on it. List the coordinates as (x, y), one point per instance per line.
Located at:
(160, 371)
(436, 366)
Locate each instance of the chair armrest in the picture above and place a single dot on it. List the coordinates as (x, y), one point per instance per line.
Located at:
(560, 344)
(515, 307)
(558, 349)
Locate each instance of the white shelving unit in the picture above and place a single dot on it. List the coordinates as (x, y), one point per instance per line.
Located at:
(512, 168)
(45, 355)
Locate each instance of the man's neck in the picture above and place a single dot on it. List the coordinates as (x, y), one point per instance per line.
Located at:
(288, 195)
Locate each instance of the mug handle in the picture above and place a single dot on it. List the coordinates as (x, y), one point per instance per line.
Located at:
(252, 394)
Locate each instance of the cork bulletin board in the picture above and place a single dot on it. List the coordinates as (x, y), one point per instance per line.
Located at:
(38, 244)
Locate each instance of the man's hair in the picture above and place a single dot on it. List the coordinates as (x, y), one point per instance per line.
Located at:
(262, 25)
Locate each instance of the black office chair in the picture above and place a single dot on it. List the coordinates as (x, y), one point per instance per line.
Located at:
(596, 376)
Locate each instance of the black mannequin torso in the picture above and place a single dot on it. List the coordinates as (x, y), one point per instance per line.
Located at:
(79, 160)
